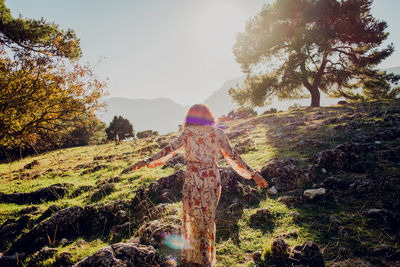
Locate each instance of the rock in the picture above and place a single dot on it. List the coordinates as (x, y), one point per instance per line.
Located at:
(50, 211)
(260, 217)
(361, 187)
(94, 169)
(334, 183)
(295, 215)
(153, 233)
(104, 190)
(80, 190)
(311, 255)
(390, 134)
(122, 254)
(11, 229)
(312, 193)
(245, 146)
(279, 249)
(251, 196)
(12, 260)
(285, 174)
(272, 191)
(30, 209)
(342, 156)
(65, 223)
(50, 193)
(177, 159)
(153, 193)
(63, 259)
(117, 232)
(379, 215)
(257, 257)
(102, 258)
(31, 165)
(42, 255)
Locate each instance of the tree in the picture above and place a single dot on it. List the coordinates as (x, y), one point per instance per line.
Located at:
(121, 127)
(319, 45)
(36, 36)
(378, 87)
(43, 94)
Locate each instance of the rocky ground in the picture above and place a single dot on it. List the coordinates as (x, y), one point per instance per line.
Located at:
(334, 197)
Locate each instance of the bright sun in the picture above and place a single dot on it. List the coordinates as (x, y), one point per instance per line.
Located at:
(218, 24)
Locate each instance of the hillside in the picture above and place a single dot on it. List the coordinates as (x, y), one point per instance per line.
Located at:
(78, 206)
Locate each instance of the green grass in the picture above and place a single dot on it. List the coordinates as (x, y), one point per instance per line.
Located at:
(61, 167)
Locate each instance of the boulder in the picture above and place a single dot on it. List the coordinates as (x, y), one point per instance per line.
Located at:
(177, 159)
(261, 216)
(122, 254)
(272, 191)
(104, 190)
(153, 233)
(341, 157)
(285, 174)
(308, 254)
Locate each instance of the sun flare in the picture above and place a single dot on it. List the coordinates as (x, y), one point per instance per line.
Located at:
(218, 24)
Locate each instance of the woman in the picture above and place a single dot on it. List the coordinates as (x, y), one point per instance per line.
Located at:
(203, 144)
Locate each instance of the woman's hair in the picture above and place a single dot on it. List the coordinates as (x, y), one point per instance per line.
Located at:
(199, 114)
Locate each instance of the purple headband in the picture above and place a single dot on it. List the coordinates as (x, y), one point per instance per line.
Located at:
(199, 121)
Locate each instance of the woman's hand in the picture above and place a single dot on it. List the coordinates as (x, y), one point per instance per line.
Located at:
(139, 165)
(260, 181)
(135, 166)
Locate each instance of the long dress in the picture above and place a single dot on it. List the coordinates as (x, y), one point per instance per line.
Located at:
(202, 187)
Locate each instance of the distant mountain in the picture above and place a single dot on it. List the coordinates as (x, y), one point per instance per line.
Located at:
(160, 114)
(220, 102)
(164, 115)
(395, 70)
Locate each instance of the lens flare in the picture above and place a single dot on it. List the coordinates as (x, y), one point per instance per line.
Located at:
(177, 242)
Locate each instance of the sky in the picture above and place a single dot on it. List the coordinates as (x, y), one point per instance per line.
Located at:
(179, 49)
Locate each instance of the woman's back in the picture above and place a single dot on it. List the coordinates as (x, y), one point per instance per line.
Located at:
(202, 144)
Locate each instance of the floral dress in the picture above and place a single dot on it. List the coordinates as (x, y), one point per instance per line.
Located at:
(202, 187)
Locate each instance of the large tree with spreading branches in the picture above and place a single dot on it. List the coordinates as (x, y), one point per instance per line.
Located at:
(297, 46)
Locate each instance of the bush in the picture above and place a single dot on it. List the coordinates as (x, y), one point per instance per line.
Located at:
(146, 133)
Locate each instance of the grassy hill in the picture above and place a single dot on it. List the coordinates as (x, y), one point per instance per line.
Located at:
(60, 207)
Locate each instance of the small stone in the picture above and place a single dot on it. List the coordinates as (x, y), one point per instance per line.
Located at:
(272, 191)
(312, 193)
(323, 171)
(257, 257)
(295, 215)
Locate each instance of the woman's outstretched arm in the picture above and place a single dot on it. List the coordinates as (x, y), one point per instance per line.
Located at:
(161, 156)
(238, 164)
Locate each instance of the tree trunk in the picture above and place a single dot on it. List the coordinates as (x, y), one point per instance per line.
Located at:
(315, 97)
